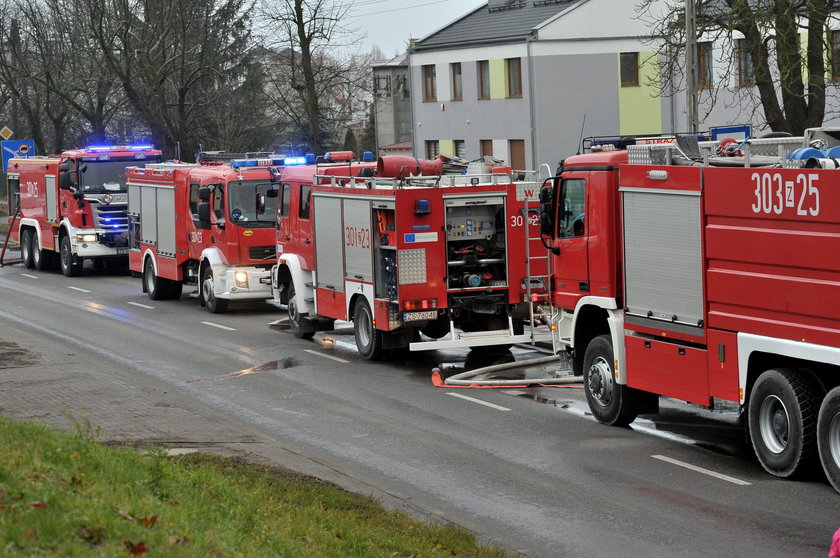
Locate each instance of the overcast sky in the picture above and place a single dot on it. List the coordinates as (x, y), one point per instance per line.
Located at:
(390, 23)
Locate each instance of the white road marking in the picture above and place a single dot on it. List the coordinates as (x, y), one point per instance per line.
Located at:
(226, 328)
(78, 289)
(30, 276)
(479, 401)
(146, 306)
(326, 356)
(697, 469)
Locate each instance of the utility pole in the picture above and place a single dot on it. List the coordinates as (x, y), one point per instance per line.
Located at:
(691, 66)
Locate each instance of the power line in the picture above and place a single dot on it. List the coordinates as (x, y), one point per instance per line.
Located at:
(403, 8)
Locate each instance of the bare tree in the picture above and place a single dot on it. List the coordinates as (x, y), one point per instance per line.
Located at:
(315, 68)
(772, 44)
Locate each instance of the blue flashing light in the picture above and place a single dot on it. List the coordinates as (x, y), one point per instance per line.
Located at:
(99, 148)
(139, 147)
(422, 207)
(290, 161)
(311, 158)
(243, 163)
(367, 156)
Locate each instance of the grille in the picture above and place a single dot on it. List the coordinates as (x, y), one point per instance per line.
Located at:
(262, 252)
(113, 217)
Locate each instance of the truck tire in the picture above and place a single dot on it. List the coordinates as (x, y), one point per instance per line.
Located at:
(782, 416)
(70, 266)
(298, 329)
(828, 437)
(151, 282)
(368, 338)
(26, 247)
(208, 295)
(610, 402)
(42, 259)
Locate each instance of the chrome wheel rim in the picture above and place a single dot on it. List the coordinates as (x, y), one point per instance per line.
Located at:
(834, 439)
(774, 424)
(601, 382)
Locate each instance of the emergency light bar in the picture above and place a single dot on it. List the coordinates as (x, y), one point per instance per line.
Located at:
(119, 147)
(237, 163)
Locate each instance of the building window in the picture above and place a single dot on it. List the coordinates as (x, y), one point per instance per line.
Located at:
(746, 72)
(629, 69)
(429, 83)
(513, 70)
(432, 149)
(704, 68)
(461, 149)
(483, 79)
(517, 154)
(835, 55)
(457, 83)
(486, 148)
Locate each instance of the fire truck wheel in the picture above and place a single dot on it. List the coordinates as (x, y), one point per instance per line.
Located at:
(368, 338)
(610, 402)
(295, 317)
(828, 437)
(40, 258)
(70, 267)
(208, 294)
(782, 417)
(26, 247)
(152, 282)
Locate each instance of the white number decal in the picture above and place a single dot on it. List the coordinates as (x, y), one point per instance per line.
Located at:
(516, 221)
(773, 194)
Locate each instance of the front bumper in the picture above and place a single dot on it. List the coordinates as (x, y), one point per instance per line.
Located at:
(255, 287)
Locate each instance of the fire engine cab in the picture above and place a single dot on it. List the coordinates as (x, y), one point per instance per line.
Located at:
(72, 207)
(401, 250)
(708, 273)
(209, 225)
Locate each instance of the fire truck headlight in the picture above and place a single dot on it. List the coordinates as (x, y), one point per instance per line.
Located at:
(85, 238)
(241, 279)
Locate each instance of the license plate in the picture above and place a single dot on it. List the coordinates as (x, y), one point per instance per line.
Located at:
(417, 316)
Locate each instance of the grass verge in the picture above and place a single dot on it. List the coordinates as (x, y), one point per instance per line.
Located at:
(69, 495)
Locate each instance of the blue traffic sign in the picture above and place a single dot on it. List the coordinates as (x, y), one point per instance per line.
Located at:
(16, 148)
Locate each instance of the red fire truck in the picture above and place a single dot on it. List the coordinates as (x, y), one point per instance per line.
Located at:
(72, 207)
(209, 225)
(399, 250)
(679, 271)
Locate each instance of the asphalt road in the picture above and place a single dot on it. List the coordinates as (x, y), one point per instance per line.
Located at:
(527, 468)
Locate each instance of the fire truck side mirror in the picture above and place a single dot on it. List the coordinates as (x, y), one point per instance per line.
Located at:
(546, 211)
(203, 214)
(64, 181)
(204, 194)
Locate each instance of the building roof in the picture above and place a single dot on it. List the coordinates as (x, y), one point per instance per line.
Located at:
(395, 62)
(495, 23)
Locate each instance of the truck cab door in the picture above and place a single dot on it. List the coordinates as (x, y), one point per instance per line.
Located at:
(304, 226)
(570, 245)
(285, 226)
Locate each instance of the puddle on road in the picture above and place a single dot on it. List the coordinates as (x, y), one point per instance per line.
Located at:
(13, 355)
(267, 367)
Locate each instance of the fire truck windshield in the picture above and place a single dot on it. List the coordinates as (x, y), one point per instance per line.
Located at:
(253, 202)
(106, 176)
